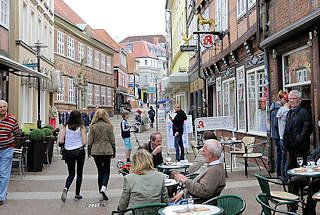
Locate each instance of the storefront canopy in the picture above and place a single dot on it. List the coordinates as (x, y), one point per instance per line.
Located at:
(18, 67)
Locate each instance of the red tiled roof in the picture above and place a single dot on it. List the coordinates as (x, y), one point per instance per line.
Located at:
(106, 37)
(147, 38)
(64, 11)
(140, 49)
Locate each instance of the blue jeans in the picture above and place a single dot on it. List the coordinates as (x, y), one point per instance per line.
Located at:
(6, 156)
(178, 143)
(103, 166)
(74, 157)
(281, 161)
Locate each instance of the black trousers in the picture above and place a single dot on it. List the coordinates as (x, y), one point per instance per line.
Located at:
(74, 157)
(103, 166)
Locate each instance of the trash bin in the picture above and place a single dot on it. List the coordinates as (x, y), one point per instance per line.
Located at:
(35, 154)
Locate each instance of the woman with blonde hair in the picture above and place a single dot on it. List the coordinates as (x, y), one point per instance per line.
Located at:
(144, 184)
(101, 145)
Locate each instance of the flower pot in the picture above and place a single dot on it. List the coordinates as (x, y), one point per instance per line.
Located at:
(35, 156)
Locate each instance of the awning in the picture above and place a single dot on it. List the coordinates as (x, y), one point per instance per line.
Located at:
(18, 67)
(164, 101)
(181, 77)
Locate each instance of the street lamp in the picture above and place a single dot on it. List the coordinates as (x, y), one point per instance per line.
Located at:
(38, 47)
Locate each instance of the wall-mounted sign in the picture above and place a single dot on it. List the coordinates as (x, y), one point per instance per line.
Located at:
(207, 40)
(188, 48)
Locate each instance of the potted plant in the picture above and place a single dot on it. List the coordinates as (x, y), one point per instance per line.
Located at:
(36, 150)
(49, 142)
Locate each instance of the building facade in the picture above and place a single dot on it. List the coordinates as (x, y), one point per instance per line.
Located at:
(291, 41)
(85, 61)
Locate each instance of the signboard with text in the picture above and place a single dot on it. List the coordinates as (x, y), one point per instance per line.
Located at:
(213, 123)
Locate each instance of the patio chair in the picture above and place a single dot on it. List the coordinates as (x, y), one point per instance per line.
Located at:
(245, 141)
(278, 197)
(251, 152)
(263, 199)
(20, 154)
(145, 209)
(231, 204)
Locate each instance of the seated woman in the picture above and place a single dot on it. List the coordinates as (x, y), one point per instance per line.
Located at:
(144, 184)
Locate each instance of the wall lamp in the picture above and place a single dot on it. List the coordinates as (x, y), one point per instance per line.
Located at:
(248, 47)
(309, 43)
(274, 53)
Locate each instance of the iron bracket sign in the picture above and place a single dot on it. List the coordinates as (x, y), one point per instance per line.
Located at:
(188, 48)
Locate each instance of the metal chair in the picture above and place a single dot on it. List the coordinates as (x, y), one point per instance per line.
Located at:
(252, 153)
(245, 141)
(145, 209)
(263, 199)
(278, 197)
(231, 204)
(20, 154)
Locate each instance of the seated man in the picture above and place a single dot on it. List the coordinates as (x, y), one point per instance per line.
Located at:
(209, 183)
(155, 148)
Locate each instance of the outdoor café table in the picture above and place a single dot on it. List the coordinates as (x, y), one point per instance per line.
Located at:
(170, 182)
(194, 209)
(165, 167)
(228, 143)
(310, 173)
(316, 196)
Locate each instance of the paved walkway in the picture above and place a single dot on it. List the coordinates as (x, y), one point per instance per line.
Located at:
(39, 193)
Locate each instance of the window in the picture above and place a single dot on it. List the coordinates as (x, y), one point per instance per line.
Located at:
(39, 28)
(70, 47)
(241, 8)
(71, 91)
(89, 94)
(109, 96)
(60, 43)
(123, 60)
(80, 51)
(32, 28)
(251, 3)
(45, 41)
(103, 96)
(89, 60)
(96, 95)
(256, 101)
(241, 99)
(221, 15)
(60, 94)
(4, 13)
(109, 64)
(24, 23)
(219, 96)
(229, 100)
(96, 59)
(103, 62)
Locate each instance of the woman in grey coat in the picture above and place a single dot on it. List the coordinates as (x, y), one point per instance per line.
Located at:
(101, 145)
(144, 184)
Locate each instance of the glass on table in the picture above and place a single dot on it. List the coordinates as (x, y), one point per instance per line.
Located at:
(300, 161)
(190, 203)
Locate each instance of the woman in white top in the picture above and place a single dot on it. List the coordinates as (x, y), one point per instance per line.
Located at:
(75, 138)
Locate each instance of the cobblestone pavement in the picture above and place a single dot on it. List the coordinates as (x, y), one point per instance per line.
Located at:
(39, 193)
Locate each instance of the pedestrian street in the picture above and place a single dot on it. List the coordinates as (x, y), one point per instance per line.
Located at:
(40, 192)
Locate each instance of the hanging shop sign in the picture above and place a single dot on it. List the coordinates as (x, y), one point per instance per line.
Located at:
(207, 40)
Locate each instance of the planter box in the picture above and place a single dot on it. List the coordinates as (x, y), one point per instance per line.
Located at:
(35, 156)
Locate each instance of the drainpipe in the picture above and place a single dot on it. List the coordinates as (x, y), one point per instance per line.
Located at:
(264, 13)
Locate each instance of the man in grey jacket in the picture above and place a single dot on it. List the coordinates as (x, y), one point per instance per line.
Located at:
(210, 182)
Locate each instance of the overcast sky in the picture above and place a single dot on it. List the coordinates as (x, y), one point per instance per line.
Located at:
(122, 18)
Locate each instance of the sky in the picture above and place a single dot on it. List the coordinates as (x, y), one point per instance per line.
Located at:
(122, 18)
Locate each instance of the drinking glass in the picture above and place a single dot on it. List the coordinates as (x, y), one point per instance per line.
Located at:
(190, 203)
(300, 161)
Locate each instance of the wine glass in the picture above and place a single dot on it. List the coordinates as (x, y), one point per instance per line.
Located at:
(300, 161)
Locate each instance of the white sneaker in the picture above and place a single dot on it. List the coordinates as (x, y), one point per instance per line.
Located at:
(103, 192)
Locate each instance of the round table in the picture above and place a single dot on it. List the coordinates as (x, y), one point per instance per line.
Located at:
(210, 210)
(316, 196)
(170, 182)
(174, 165)
(314, 173)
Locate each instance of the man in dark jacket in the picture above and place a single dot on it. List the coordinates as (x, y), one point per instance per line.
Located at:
(85, 117)
(297, 133)
(275, 131)
(155, 148)
(177, 128)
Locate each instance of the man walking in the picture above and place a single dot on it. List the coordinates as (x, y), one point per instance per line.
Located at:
(9, 129)
(151, 114)
(296, 136)
(177, 128)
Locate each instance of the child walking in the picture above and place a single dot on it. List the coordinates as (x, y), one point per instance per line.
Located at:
(125, 133)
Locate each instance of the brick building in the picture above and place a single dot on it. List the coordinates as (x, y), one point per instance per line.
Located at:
(85, 60)
(290, 37)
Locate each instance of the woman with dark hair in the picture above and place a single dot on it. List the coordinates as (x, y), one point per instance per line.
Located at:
(101, 145)
(75, 138)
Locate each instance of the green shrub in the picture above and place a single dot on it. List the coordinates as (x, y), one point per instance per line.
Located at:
(36, 135)
(49, 126)
(47, 132)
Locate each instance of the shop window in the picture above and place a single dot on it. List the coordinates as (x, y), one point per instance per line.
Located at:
(219, 97)
(256, 101)
(229, 103)
(241, 112)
